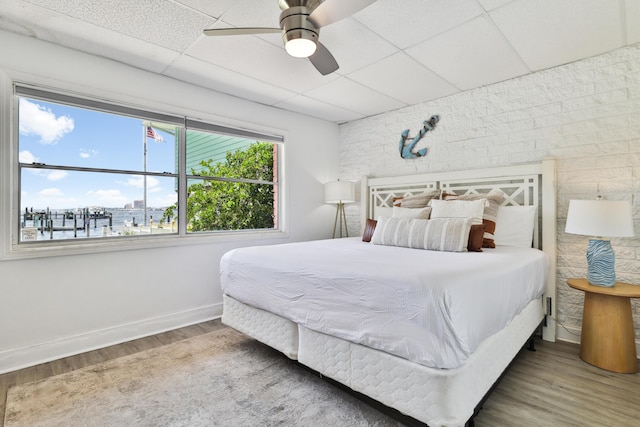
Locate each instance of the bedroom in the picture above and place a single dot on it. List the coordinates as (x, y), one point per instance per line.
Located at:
(585, 114)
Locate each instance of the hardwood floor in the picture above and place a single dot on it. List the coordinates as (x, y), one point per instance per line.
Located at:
(549, 387)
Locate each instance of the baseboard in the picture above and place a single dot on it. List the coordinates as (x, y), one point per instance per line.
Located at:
(572, 335)
(19, 358)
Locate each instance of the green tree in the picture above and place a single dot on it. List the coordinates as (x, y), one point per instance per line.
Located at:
(217, 205)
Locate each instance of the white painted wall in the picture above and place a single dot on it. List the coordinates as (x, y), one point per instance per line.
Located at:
(586, 114)
(55, 306)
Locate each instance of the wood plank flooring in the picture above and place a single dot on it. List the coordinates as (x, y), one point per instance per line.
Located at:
(549, 387)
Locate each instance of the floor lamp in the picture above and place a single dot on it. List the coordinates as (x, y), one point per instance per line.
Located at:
(340, 192)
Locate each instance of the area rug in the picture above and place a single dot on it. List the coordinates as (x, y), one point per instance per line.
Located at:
(222, 378)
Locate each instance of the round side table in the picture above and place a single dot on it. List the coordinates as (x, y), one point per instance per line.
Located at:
(608, 337)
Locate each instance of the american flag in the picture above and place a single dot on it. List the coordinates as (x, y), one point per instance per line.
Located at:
(153, 134)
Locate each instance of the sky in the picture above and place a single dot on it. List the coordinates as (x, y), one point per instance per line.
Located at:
(56, 134)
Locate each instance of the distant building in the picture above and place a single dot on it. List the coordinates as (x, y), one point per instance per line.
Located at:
(128, 206)
(138, 204)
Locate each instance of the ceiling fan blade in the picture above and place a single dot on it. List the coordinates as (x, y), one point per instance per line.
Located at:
(240, 31)
(323, 60)
(331, 11)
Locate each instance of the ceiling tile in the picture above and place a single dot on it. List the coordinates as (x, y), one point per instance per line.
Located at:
(548, 33)
(222, 80)
(212, 8)
(353, 96)
(632, 9)
(253, 13)
(493, 4)
(471, 55)
(354, 45)
(83, 36)
(403, 78)
(319, 109)
(407, 22)
(254, 57)
(170, 25)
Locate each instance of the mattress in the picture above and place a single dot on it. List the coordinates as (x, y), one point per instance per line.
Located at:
(432, 308)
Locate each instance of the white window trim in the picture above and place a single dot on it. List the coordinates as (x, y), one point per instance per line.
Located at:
(10, 249)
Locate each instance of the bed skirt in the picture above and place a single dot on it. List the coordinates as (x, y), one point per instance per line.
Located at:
(434, 396)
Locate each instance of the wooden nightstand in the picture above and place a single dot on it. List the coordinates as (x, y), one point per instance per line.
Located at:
(608, 338)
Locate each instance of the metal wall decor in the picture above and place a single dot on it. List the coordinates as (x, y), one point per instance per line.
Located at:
(407, 149)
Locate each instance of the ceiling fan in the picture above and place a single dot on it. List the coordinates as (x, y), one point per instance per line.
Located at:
(300, 23)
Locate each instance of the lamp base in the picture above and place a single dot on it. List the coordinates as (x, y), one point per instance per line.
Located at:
(342, 218)
(600, 263)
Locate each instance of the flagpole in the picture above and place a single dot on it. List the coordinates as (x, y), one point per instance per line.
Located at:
(144, 151)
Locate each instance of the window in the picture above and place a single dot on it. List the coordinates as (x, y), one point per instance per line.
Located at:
(88, 169)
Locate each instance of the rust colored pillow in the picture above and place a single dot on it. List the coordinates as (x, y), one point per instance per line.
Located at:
(476, 237)
(369, 228)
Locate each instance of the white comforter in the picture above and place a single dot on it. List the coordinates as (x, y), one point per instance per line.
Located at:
(433, 308)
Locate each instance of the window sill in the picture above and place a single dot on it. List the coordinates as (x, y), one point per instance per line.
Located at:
(68, 248)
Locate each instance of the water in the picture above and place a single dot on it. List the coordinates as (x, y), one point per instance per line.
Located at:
(124, 222)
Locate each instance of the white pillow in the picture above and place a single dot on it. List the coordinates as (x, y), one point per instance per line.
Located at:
(441, 234)
(458, 209)
(411, 213)
(514, 226)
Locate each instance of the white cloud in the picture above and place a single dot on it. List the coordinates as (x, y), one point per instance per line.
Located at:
(138, 182)
(50, 192)
(26, 157)
(85, 154)
(56, 175)
(38, 120)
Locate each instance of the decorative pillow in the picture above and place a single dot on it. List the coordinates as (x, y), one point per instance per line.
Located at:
(441, 234)
(458, 209)
(476, 235)
(515, 226)
(418, 200)
(369, 227)
(411, 213)
(494, 199)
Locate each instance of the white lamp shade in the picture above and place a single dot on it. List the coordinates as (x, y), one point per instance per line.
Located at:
(602, 218)
(339, 191)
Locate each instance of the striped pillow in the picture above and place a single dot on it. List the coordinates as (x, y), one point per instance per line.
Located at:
(440, 234)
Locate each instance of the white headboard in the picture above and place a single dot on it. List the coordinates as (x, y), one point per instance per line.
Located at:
(524, 185)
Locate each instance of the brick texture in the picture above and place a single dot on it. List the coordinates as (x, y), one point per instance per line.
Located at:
(585, 114)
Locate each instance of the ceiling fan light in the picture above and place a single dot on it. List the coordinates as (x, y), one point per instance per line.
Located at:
(300, 48)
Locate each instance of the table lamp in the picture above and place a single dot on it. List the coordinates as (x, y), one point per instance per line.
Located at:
(600, 218)
(340, 192)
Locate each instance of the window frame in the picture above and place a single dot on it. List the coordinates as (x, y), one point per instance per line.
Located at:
(12, 248)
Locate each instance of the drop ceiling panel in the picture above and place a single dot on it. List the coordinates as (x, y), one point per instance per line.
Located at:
(212, 8)
(407, 22)
(493, 4)
(319, 109)
(548, 33)
(403, 78)
(352, 96)
(632, 9)
(163, 23)
(253, 13)
(471, 55)
(82, 36)
(353, 45)
(222, 80)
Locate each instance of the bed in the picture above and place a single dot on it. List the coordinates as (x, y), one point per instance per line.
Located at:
(386, 344)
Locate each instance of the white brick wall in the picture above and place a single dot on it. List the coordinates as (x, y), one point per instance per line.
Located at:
(586, 114)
